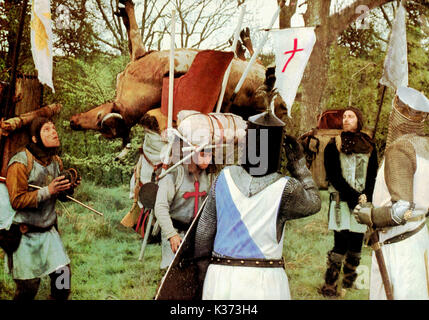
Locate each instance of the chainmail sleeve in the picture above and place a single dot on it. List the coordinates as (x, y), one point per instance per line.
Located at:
(400, 166)
(205, 235)
(399, 170)
(300, 198)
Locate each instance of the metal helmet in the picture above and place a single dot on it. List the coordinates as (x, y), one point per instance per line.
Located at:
(264, 141)
(410, 108)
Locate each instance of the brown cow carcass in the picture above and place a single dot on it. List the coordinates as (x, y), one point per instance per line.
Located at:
(139, 86)
(139, 89)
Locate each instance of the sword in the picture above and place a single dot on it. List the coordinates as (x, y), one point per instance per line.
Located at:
(337, 207)
(375, 245)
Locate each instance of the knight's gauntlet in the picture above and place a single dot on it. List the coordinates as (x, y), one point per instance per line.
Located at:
(363, 213)
(401, 211)
(390, 216)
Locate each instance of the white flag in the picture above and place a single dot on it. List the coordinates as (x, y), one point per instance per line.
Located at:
(41, 40)
(395, 73)
(293, 48)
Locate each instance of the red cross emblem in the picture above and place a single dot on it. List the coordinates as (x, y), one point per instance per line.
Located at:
(295, 50)
(195, 194)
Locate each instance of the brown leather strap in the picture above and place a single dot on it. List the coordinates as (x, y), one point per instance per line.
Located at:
(220, 128)
(155, 166)
(210, 121)
(261, 263)
(404, 235)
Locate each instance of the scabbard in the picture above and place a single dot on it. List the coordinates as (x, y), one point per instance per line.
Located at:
(335, 196)
(375, 244)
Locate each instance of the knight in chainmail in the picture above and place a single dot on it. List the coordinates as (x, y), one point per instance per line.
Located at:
(239, 236)
(351, 167)
(400, 201)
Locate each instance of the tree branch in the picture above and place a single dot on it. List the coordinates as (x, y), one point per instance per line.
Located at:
(159, 15)
(380, 38)
(106, 20)
(385, 16)
(339, 21)
(108, 43)
(286, 13)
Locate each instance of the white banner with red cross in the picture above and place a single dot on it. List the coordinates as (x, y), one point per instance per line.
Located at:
(292, 48)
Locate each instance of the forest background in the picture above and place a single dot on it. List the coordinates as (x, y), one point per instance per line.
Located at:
(91, 48)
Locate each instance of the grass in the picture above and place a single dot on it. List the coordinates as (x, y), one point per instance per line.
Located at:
(307, 242)
(104, 254)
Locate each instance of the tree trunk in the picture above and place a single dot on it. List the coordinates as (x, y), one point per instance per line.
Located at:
(286, 13)
(328, 28)
(316, 73)
(28, 94)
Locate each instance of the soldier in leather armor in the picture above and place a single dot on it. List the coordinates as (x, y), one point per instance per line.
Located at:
(40, 251)
(400, 201)
(351, 167)
(239, 236)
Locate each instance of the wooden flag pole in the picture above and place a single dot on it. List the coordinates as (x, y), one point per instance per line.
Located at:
(379, 111)
(252, 60)
(9, 112)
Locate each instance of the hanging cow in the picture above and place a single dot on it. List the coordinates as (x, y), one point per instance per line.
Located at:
(139, 87)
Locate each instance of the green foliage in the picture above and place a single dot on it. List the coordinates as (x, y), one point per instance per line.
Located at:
(10, 15)
(354, 80)
(98, 164)
(79, 86)
(359, 41)
(74, 31)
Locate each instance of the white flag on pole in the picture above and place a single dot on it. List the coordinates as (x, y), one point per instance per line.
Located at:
(293, 48)
(395, 73)
(41, 40)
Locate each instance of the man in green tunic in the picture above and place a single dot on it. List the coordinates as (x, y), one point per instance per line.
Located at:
(40, 251)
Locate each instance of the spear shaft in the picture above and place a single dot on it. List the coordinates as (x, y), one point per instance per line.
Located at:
(3, 179)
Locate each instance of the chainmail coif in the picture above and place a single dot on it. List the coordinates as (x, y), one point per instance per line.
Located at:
(399, 125)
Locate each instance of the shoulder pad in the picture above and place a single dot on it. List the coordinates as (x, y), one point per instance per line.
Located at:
(20, 157)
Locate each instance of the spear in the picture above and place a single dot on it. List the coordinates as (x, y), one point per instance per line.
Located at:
(171, 75)
(252, 60)
(3, 179)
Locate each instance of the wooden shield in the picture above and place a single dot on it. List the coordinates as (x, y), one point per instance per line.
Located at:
(181, 280)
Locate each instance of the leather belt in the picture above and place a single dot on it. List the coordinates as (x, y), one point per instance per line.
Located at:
(32, 228)
(262, 263)
(418, 218)
(404, 235)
